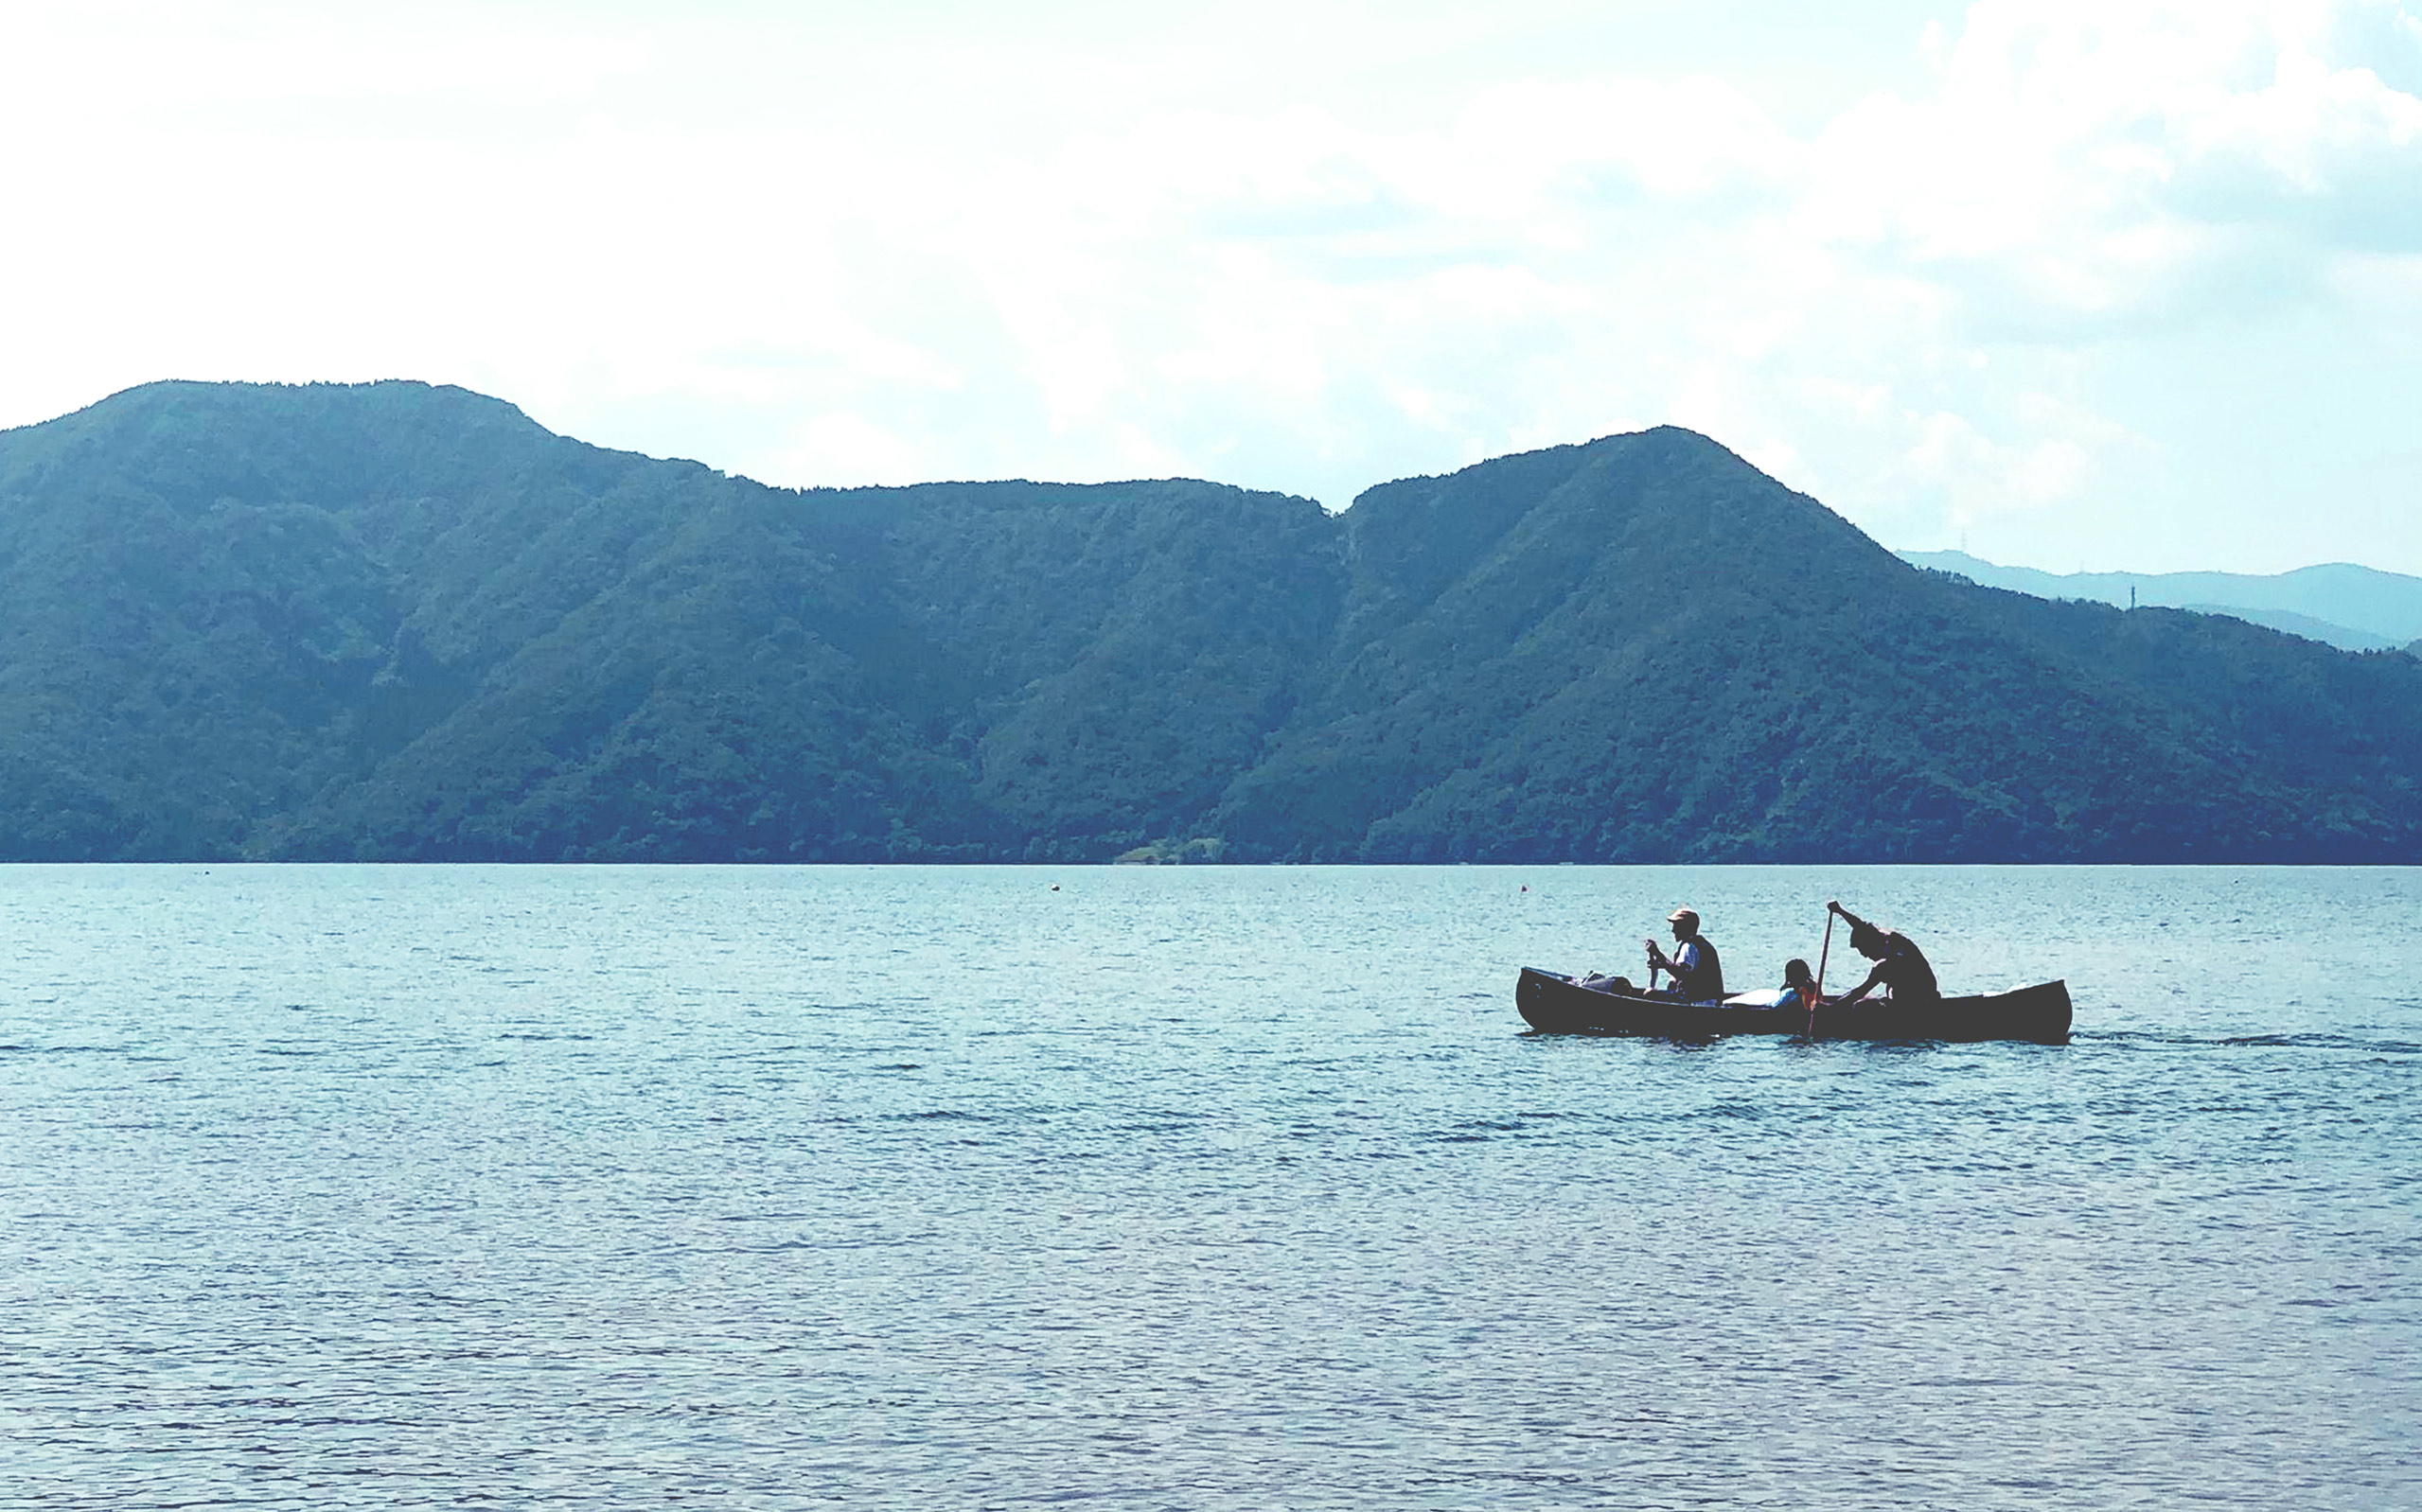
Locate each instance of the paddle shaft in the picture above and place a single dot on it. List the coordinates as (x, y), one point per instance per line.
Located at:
(1819, 990)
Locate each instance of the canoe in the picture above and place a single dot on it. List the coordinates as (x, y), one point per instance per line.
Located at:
(1556, 1004)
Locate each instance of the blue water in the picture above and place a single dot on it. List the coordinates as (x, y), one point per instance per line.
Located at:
(1200, 1189)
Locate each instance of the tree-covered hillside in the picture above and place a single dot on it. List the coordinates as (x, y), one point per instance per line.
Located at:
(1647, 650)
(401, 621)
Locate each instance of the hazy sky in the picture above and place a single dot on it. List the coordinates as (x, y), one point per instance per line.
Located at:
(2103, 283)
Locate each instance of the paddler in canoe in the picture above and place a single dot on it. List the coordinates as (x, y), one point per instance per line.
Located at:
(1698, 976)
(1900, 968)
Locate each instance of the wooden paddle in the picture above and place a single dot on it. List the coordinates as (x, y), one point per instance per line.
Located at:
(1818, 991)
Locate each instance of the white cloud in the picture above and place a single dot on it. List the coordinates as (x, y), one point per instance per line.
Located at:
(2010, 302)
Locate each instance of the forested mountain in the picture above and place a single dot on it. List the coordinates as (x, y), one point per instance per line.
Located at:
(400, 622)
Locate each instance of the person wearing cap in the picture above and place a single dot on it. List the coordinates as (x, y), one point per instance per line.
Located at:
(1698, 976)
(1900, 968)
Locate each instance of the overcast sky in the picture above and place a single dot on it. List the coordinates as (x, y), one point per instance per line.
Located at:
(2104, 284)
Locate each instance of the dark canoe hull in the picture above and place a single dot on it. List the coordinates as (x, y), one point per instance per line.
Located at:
(1555, 1004)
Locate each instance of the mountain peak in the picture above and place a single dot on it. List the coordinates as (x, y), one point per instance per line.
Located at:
(388, 399)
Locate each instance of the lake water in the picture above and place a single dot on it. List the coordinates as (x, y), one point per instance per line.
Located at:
(1192, 1189)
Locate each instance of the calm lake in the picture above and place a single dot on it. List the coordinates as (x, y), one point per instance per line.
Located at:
(1192, 1189)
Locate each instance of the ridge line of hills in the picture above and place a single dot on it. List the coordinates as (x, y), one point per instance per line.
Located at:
(401, 621)
(2352, 608)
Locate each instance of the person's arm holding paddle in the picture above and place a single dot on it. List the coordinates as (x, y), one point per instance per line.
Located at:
(1677, 965)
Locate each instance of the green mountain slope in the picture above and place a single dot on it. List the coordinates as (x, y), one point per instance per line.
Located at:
(400, 622)
(1658, 654)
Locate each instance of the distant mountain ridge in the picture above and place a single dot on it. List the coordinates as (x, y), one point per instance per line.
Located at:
(2355, 609)
(397, 622)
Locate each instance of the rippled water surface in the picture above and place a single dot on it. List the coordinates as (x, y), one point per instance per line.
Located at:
(1200, 1189)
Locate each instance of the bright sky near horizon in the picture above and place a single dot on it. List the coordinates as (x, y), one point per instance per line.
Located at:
(2103, 283)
